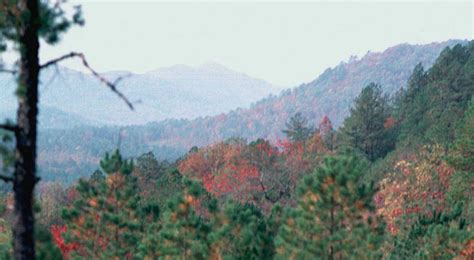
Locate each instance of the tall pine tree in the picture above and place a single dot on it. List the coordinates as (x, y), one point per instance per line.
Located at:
(365, 128)
(297, 128)
(334, 217)
(108, 217)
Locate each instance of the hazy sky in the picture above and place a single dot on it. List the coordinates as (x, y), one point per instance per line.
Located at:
(285, 43)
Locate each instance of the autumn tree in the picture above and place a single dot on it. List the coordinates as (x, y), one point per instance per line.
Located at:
(365, 128)
(327, 132)
(417, 186)
(223, 170)
(334, 217)
(274, 179)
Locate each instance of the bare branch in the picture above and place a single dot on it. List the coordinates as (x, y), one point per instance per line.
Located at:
(64, 57)
(6, 178)
(9, 127)
(111, 85)
(267, 196)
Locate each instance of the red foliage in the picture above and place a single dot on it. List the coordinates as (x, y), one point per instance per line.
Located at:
(325, 126)
(389, 123)
(223, 170)
(65, 248)
(417, 187)
(243, 171)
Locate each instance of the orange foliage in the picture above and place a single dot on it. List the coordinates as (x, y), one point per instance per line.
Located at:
(416, 187)
(223, 170)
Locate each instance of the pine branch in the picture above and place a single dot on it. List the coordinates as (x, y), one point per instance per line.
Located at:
(13, 72)
(9, 127)
(6, 178)
(111, 85)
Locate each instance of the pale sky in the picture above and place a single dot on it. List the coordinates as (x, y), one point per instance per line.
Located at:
(285, 43)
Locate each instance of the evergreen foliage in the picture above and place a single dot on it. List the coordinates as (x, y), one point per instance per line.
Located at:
(297, 128)
(441, 235)
(183, 232)
(334, 217)
(436, 99)
(365, 129)
(240, 231)
(104, 220)
(461, 157)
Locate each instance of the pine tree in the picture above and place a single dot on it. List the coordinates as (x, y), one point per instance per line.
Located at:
(462, 152)
(435, 100)
(107, 218)
(158, 181)
(461, 157)
(365, 128)
(334, 217)
(441, 235)
(412, 105)
(22, 24)
(297, 128)
(182, 232)
(240, 231)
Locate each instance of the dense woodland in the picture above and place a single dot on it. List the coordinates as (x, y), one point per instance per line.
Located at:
(395, 181)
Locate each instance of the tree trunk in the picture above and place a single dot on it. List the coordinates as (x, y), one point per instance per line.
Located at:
(25, 154)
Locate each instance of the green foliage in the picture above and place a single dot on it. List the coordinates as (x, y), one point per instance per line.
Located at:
(365, 129)
(461, 157)
(297, 128)
(462, 152)
(241, 231)
(158, 181)
(115, 163)
(412, 104)
(53, 21)
(334, 217)
(182, 232)
(436, 99)
(7, 157)
(105, 219)
(441, 235)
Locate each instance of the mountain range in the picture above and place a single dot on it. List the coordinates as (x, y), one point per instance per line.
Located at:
(174, 92)
(330, 94)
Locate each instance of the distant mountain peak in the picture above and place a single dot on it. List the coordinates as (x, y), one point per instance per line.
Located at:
(214, 66)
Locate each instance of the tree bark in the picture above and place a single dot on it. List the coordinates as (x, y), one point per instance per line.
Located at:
(25, 153)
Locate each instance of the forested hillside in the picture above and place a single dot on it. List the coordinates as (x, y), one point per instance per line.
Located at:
(331, 94)
(395, 181)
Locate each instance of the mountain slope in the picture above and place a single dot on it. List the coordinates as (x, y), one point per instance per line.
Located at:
(330, 94)
(175, 92)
